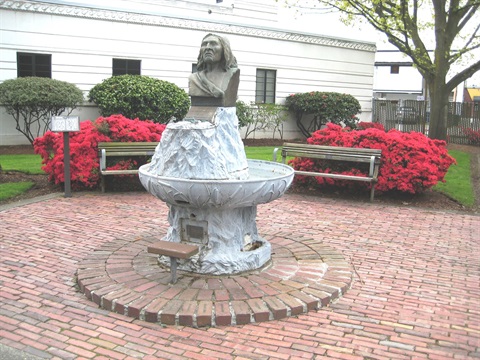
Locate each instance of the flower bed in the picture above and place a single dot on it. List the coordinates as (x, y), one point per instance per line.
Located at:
(84, 162)
(411, 162)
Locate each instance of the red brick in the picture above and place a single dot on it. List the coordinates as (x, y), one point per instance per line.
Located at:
(204, 313)
(151, 310)
(186, 312)
(311, 302)
(221, 295)
(169, 312)
(278, 309)
(241, 311)
(259, 309)
(223, 317)
(135, 308)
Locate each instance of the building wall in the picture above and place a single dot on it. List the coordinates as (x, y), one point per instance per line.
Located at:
(406, 85)
(83, 41)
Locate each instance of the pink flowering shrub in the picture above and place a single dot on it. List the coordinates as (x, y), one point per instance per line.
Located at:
(84, 161)
(362, 125)
(410, 162)
(473, 136)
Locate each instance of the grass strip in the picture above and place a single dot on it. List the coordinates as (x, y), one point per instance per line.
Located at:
(28, 163)
(458, 183)
(262, 152)
(10, 190)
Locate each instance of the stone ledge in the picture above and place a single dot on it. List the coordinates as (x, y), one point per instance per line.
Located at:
(303, 275)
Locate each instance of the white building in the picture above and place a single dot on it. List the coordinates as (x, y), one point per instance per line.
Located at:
(396, 78)
(82, 41)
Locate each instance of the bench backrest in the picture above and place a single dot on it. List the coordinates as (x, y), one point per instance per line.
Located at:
(127, 148)
(331, 152)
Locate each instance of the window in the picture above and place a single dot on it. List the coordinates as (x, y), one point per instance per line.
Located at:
(265, 88)
(125, 66)
(394, 69)
(194, 68)
(34, 65)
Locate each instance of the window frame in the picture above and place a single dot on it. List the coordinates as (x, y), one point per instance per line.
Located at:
(39, 66)
(127, 66)
(394, 69)
(262, 95)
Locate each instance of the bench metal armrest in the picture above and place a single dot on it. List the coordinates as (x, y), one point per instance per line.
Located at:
(103, 160)
(372, 166)
(275, 151)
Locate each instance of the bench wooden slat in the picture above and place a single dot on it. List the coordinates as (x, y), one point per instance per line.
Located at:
(123, 149)
(172, 249)
(334, 176)
(335, 153)
(120, 172)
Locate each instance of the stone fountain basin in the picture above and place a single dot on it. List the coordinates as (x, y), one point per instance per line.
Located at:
(267, 181)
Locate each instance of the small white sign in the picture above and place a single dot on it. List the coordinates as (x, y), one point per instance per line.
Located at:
(65, 123)
(420, 98)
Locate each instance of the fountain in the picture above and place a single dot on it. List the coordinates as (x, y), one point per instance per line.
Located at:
(201, 171)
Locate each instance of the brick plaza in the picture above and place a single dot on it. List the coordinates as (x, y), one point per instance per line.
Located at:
(413, 291)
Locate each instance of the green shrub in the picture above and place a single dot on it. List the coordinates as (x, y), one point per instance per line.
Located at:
(142, 97)
(259, 117)
(244, 114)
(325, 107)
(32, 101)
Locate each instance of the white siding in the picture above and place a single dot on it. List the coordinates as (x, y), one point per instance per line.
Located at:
(407, 81)
(83, 44)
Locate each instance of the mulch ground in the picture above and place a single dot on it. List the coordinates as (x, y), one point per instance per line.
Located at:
(430, 199)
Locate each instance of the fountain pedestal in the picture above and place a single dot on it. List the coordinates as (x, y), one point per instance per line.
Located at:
(201, 171)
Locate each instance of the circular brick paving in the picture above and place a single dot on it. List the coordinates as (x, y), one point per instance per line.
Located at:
(303, 275)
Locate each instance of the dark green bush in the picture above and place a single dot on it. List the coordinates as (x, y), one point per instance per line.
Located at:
(138, 96)
(32, 101)
(325, 107)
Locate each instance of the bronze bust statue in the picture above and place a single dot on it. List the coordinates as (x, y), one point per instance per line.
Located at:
(216, 81)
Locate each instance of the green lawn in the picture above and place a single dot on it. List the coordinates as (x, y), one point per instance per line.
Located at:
(261, 153)
(458, 179)
(29, 164)
(10, 190)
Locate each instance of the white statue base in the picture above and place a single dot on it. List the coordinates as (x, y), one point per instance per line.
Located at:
(200, 170)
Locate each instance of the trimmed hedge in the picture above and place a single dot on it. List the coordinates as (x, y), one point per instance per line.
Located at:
(142, 97)
(32, 101)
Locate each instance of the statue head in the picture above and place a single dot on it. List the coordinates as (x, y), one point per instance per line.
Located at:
(227, 60)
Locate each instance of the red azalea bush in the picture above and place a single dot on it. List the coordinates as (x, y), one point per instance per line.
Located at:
(411, 162)
(84, 161)
(362, 125)
(472, 135)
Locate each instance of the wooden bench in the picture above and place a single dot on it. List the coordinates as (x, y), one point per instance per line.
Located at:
(335, 153)
(122, 149)
(174, 251)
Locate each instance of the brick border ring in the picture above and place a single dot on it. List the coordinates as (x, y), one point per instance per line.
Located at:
(303, 275)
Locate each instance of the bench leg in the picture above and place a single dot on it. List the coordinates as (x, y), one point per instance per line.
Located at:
(372, 192)
(173, 270)
(102, 183)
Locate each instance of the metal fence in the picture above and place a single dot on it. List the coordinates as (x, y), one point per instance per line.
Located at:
(412, 115)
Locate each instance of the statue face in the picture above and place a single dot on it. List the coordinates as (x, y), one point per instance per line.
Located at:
(212, 50)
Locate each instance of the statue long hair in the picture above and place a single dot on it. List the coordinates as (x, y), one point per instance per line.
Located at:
(228, 60)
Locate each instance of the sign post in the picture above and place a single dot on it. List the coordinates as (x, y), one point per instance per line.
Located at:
(66, 124)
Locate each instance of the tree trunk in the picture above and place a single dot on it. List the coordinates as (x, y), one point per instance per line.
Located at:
(438, 113)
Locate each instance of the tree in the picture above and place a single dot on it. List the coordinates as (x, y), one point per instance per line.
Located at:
(453, 27)
(32, 101)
